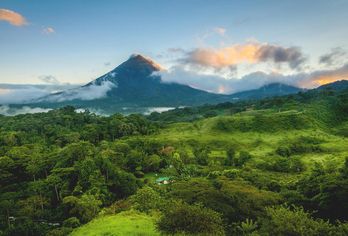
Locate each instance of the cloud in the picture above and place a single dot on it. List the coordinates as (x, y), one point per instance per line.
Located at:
(52, 91)
(13, 111)
(219, 30)
(327, 76)
(218, 84)
(12, 17)
(250, 53)
(277, 54)
(21, 94)
(223, 57)
(176, 50)
(87, 92)
(48, 30)
(180, 75)
(333, 56)
(49, 79)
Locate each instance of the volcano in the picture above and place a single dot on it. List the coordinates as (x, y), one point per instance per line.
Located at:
(136, 83)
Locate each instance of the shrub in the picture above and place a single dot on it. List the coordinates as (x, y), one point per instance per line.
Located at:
(71, 222)
(190, 219)
(85, 207)
(139, 174)
(243, 158)
(232, 173)
(283, 151)
(274, 186)
(201, 155)
(147, 199)
(282, 220)
(214, 174)
(230, 155)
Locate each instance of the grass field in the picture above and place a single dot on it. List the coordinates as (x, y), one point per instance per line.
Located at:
(125, 223)
(260, 144)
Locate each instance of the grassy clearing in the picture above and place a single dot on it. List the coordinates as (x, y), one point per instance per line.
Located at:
(261, 145)
(125, 223)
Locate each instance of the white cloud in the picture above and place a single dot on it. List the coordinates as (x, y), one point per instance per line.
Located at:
(49, 79)
(13, 111)
(20, 94)
(87, 92)
(48, 30)
(220, 30)
(218, 84)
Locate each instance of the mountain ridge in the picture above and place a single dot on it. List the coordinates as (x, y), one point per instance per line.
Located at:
(134, 83)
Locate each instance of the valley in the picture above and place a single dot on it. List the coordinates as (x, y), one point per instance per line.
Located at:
(173, 118)
(240, 166)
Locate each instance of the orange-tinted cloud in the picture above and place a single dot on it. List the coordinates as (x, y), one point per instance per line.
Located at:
(244, 53)
(218, 84)
(12, 17)
(325, 77)
(224, 57)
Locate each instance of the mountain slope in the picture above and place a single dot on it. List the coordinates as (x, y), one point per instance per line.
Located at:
(269, 90)
(135, 84)
(337, 85)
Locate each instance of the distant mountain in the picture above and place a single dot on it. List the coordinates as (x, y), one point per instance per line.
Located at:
(337, 85)
(135, 84)
(269, 90)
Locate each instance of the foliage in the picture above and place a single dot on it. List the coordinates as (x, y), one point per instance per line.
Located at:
(190, 219)
(282, 220)
(62, 168)
(125, 223)
(147, 199)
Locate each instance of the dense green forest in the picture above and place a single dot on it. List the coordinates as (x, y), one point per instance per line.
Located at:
(276, 166)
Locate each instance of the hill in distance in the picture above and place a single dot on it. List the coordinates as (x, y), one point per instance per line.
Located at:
(269, 90)
(337, 86)
(134, 84)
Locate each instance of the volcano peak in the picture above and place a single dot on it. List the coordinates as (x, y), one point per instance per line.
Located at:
(144, 60)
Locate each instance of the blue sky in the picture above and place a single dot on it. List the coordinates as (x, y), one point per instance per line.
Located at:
(77, 41)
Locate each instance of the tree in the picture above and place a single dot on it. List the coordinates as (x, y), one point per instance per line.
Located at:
(201, 155)
(121, 184)
(147, 199)
(177, 163)
(134, 160)
(6, 165)
(282, 220)
(344, 169)
(243, 158)
(152, 163)
(33, 206)
(190, 219)
(84, 208)
(6, 205)
(230, 155)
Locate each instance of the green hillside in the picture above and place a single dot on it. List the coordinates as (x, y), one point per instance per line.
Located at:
(271, 167)
(124, 223)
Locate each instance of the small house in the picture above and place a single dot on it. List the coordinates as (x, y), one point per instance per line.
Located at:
(162, 180)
